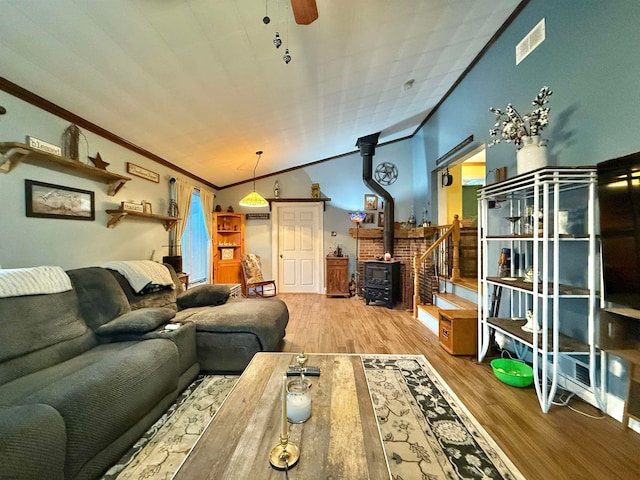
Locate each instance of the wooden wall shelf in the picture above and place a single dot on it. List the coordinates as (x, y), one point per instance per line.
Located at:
(115, 216)
(13, 153)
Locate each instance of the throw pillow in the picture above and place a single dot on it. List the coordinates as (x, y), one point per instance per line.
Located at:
(203, 296)
(142, 320)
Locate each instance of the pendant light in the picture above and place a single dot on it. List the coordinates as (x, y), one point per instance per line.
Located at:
(254, 199)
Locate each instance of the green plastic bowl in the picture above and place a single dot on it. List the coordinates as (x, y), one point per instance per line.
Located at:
(512, 372)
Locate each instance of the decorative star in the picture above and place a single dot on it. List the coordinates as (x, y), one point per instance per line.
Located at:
(98, 162)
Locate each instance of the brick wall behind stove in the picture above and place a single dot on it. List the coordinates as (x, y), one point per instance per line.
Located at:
(403, 250)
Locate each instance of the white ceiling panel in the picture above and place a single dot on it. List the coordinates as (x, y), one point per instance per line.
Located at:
(200, 83)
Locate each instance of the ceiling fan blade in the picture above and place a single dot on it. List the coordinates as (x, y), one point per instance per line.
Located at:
(304, 11)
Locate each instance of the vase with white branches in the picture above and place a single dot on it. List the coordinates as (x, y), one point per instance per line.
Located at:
(524, 131)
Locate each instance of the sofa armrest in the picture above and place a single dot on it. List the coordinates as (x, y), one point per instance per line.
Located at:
(32, 442)
(203, 296)
(138, 321)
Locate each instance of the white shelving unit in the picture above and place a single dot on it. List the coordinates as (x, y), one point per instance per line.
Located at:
(563, 257)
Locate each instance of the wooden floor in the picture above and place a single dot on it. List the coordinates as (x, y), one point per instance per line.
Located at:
(561, 444)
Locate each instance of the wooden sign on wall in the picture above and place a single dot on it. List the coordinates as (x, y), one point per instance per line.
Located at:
(258, 216)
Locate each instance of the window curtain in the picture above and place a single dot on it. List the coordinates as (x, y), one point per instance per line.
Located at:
(207, 199)
(184, 191)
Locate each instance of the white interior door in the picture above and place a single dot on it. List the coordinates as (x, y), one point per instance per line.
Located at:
(298, 246)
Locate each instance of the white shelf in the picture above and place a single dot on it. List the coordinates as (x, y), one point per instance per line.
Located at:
(543, 190)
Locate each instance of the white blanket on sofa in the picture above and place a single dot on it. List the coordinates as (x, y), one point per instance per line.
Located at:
(16, 282)
(141, 273)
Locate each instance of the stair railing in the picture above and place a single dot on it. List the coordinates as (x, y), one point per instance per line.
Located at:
(451, 233)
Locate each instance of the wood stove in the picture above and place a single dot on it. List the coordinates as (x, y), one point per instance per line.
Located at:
(382, 282)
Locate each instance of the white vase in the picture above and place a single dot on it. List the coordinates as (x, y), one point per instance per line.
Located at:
(532, 155)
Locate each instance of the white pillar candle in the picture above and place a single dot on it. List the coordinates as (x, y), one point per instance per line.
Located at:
(298, 407)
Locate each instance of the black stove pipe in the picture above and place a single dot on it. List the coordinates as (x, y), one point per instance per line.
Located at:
(367, 146)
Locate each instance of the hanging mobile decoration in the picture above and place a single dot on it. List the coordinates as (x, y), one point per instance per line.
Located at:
(287, 57)
(277, 41)
(266, 18)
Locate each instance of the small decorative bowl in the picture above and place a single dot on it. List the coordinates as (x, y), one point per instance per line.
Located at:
(512, 372)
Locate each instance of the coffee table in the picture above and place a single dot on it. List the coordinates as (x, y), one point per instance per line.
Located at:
(340, 440)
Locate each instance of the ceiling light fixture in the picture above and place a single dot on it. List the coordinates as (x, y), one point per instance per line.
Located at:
(254, 199)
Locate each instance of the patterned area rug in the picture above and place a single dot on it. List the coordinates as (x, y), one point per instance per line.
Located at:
(158, 454)
(427, 432)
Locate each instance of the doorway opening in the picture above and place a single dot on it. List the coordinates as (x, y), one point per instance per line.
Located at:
(457, 194)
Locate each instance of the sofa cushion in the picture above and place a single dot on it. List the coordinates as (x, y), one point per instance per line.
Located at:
(142, 320)
(39, 331)
(27, 433)
(100, 297)
(165, 298)
(203, 296)
(100, 394)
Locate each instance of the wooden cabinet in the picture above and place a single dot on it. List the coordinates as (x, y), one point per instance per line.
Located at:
(337, 274)
(458, 331)
(228, 247)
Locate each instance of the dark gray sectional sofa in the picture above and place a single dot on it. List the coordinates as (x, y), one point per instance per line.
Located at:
(84, 373)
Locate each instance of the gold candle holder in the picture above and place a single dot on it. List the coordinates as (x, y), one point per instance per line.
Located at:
(285, 454)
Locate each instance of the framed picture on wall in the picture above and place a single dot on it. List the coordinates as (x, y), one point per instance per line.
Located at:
(381, 219)
(370, 202)
(45, 200)
(369, 218)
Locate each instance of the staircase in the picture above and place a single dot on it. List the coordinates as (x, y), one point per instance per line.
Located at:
(460, 294)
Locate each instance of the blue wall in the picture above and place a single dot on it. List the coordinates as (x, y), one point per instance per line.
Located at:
(589, 59)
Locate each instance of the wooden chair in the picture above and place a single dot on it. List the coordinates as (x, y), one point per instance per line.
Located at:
(253, 282)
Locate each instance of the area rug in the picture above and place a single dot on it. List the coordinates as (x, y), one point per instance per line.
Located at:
(427, 432)
(160, 451)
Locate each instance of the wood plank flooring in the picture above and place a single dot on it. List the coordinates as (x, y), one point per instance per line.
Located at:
(561, 444)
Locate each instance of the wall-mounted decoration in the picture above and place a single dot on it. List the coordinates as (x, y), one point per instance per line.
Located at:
(386, 173)
(381, 219)
(369, 218)
(44, 146)
(370, 202)
(46, 200)
(133, 207)
(98, 162)
(141, 172)
(258, 216)
(147, 208)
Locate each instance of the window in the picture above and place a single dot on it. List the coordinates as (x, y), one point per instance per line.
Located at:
(195, 243)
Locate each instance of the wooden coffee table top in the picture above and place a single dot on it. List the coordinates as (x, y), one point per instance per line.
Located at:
(340, 440)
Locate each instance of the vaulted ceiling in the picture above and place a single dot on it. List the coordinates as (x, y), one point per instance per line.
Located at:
(200, 83)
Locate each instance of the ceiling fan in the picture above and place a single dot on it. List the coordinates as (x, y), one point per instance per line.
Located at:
(304, 11)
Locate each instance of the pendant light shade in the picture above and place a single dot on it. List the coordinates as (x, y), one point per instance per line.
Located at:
(254, 199)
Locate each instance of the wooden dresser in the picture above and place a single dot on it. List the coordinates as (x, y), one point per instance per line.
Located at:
(337, 275)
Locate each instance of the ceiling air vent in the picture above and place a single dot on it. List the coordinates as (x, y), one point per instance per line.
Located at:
(529, 43)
